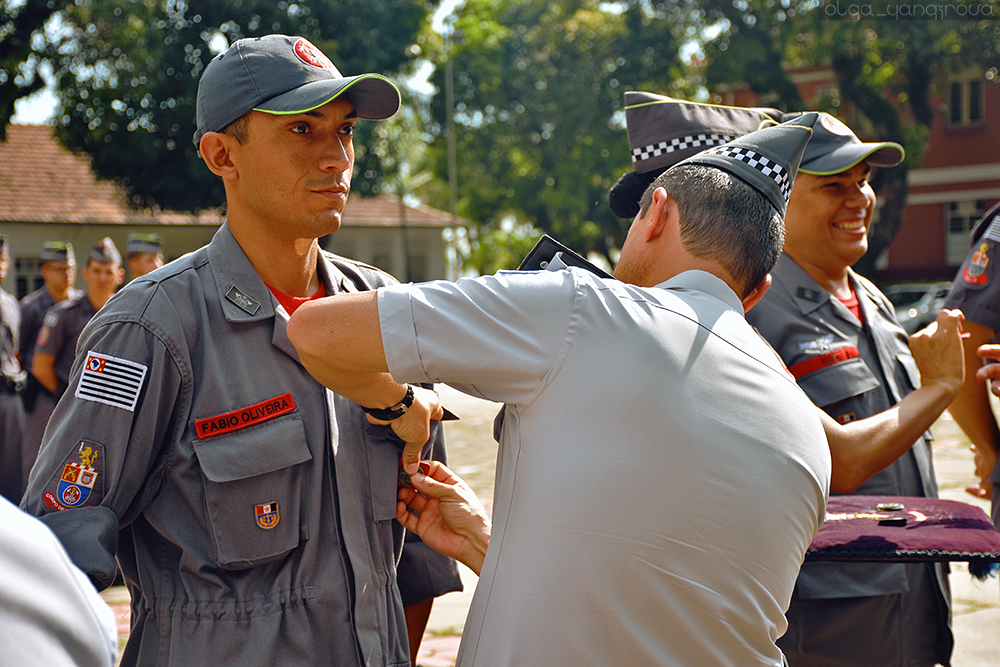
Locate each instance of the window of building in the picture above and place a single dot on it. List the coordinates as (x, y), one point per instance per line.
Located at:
(960, 217)
(965, 99)
(27, 275)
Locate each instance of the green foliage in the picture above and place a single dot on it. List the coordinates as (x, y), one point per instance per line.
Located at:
(887, 67)
(127, 74)
(539, 125)
(19, 59)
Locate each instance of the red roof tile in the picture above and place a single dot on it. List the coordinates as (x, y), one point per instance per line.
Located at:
(40, 181)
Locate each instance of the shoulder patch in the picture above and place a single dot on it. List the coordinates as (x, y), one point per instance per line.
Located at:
(81, 480)
(993, 231)
(975, 273)
(110, 380)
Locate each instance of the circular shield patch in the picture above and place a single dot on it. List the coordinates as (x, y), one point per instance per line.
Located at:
(310, 55)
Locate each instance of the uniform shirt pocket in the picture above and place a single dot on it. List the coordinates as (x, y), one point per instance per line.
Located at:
(253, 482)
(838, 382)
(384, 451)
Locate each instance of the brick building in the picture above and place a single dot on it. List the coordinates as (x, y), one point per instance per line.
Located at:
(958, 179)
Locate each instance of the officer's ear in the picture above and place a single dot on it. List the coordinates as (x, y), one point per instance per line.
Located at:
(751, 299)
(662, 211)
(215, 149)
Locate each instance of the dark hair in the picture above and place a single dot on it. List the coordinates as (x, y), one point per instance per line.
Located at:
(239, 129)
(723, 219)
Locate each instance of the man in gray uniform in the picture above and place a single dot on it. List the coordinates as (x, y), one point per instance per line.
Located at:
(976, 292)
(59, 273)
(55, 348)
(145, 253)
(677, 544)
(12, 381)
(839, 337)
(252, 510)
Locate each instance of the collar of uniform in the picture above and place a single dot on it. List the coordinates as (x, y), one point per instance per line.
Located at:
(236, 277)
(232, 270)
(806, 293)
(702, 281)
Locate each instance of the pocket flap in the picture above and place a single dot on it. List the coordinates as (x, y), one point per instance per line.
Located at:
(840, 381)
(255, 450)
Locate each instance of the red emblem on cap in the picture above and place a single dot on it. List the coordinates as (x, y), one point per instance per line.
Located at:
(310, 55)
(835, 125)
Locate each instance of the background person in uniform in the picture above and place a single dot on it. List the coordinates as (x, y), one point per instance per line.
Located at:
(838, 335)
(55, 349)
(609, 549)
(252, 511)
(12, 381)
(661, 131)
(59, 273)
(145, 253)
(975, 292)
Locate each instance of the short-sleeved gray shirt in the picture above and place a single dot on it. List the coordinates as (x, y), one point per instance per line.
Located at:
(659, 478)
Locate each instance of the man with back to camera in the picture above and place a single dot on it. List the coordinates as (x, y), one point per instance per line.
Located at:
(663, 130)
(610, 549)
(145, 253)
(838, 335)
(251, 510)
(12, 382)
(58, 270)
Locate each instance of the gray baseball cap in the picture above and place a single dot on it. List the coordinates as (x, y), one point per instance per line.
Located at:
(767, 159)
(279, 74)
(835, 148)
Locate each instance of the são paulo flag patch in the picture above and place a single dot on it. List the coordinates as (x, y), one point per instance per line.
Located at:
(111, 381)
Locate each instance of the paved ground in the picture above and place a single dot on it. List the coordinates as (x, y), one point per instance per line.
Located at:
(472, 452)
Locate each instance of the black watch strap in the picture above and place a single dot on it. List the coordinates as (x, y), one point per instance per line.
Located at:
(396, 411)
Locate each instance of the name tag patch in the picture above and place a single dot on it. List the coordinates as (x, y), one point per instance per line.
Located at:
(244, 417)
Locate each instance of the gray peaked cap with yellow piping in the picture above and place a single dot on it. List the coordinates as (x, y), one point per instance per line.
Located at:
(278, 74)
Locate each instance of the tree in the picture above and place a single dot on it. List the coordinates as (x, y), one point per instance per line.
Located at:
(19, 59)
(539, 121)
(127, 72)
(887, 67)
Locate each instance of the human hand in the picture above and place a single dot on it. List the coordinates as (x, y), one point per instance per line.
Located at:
(414, 427)
(985, 462)
(446, 514)
(937, 349)
(990, 372)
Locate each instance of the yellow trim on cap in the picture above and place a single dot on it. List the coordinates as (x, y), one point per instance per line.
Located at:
(361, 77)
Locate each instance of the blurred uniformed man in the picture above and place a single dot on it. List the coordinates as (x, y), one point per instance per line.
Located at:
(59, 273)
(55, 348)
(12, 381)
(145, 253)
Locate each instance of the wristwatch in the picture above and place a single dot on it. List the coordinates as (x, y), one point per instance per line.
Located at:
(396, 411)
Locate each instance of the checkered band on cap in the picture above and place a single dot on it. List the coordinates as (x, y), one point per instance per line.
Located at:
(679, 144)
(769, 168)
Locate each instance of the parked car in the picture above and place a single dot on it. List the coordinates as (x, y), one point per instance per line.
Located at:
(917, 304)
